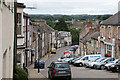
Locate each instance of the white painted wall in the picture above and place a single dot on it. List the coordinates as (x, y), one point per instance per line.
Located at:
(7, 33)
(0, 43)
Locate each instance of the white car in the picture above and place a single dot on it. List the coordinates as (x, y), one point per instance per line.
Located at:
(63, 58)
(87, 63)
(91, 64)
(68, 59)
(85, 59)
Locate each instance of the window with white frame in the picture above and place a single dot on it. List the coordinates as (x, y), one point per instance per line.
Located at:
(30, 40)
(19, 23)
(23, 22)
(109, 49)
(28, 22)
(28, 35)
(109, 32)
(102, 33)
(119, 33)
(97, 44)
(92, 43)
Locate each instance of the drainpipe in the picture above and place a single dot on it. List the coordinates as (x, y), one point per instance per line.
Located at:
(15, 38)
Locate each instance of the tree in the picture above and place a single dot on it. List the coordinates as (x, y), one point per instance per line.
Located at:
(75, 35)
(61, 25)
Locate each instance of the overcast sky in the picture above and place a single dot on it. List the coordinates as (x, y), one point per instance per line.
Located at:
(71, 6)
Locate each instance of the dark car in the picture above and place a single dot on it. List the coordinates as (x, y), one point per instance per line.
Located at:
(115, 67)
(108, 66)
(59, 70)
(41, 64)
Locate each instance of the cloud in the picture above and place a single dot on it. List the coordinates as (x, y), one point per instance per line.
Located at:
(72, 6)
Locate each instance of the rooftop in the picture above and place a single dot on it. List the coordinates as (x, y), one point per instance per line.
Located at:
(113, 20)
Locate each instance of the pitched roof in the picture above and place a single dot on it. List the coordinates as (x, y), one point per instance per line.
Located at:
(113, 20)
(44, 26)
(96, 35)
(38, 29)
(88, 36)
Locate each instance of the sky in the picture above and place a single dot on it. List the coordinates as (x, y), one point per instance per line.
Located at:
(71, 7)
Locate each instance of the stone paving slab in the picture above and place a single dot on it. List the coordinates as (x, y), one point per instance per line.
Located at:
(33, 73)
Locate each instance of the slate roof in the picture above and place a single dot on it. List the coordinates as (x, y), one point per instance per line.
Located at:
(96, 35)
(113, 20)
(38, 29)
(88, 36)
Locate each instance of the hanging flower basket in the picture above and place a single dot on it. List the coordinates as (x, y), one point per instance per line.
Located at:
(107, 55)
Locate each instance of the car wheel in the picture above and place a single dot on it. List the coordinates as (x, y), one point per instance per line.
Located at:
(49, 77)
(69, 78)
(102, 67)
(117, 68)
(80, 64)
(107, 69)
(94, 67)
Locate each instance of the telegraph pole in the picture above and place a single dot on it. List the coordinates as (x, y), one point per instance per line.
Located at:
(15, 37)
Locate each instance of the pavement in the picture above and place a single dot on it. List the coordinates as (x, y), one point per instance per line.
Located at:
(33, 73)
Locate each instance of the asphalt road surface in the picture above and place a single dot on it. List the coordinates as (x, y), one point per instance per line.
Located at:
(80, 72)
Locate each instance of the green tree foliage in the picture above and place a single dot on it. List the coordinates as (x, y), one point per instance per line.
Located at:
(51, 23)
(75, 35)
(20, 74)
(61, 25)
(103, 17)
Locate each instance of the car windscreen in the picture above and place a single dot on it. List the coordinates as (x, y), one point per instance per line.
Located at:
(61, 65)
(99, 60)
(94, 60)
(103, 60)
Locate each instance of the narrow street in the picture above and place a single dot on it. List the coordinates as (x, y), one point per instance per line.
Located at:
(58, 54)
(79, 72)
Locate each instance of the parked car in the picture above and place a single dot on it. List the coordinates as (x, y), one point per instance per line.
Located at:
(39, 63)
(115, 67)
(68, 51)
(101, 65)
(108, 66)
(86, 64)
(64, 57)
(92, 64)
(68, 59)
(81, 61)
(75, 59)
(59, 70)
(53, 51)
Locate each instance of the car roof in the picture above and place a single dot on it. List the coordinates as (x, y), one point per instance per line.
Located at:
(59, 62)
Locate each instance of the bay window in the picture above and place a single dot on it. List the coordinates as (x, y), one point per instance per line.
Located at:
(109, 49)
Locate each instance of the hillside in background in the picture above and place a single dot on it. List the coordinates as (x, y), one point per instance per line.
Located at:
(69, 17)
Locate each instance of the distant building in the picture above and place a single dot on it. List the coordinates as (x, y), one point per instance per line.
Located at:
(49, 35)
(88, 38)
(77, 24)
(64, 39)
